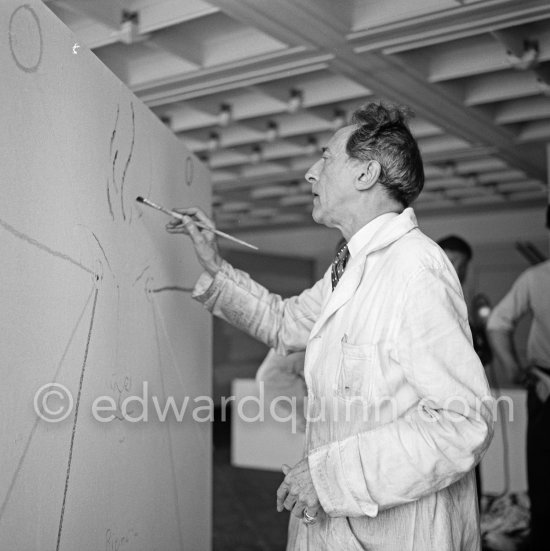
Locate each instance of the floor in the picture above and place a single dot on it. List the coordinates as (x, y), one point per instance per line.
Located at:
(245, 516)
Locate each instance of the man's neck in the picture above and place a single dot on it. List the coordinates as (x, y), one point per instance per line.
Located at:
(351, 226)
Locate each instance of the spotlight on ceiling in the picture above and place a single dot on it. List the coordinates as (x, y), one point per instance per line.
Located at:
(213, 141)
(166, 120)
(340, 118)
(296, 100)
(312, 145)
(272, 132)
(204, 158)
(256, 155)
(225, 114)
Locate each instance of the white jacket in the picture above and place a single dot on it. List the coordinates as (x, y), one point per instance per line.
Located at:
(399, 406)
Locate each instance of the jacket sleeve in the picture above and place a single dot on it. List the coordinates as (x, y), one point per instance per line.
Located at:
(440, 438)
(282, 324)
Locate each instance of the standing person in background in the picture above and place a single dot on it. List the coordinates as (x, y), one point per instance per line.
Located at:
(397, 397)
(459, 252)
(530, 294)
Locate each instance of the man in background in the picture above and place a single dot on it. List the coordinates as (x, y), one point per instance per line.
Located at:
(459, 252)
(530, 294)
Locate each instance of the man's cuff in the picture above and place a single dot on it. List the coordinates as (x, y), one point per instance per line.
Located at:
(339, 481)
(208, 287)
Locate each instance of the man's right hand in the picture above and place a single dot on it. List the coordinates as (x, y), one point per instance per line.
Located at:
(204, 240)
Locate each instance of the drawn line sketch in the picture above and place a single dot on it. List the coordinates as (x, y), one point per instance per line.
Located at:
(41, 246)
(73, 434)
(103, 251)
(189, 170)
(116, 185)
(22, 20)
(113, 160)
(174, 364)
(170, 447)
(128, 161)
(141, 275)
(109, 199)
(33, 430)
(173, 288)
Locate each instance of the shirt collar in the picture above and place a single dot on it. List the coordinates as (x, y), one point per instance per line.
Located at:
(362, 237)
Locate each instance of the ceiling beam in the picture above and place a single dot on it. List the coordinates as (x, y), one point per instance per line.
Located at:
(106, 12)
(447, 25)
(231, 76)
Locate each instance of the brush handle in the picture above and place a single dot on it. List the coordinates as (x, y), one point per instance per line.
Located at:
(196, 222)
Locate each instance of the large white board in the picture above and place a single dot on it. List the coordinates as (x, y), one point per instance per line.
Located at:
(94, 297)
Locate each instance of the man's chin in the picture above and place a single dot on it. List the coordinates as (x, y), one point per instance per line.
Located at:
(316, 217)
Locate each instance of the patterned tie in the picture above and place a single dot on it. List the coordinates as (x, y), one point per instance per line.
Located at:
(339, 265)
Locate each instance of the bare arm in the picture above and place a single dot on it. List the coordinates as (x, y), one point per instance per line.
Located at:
(502, 343)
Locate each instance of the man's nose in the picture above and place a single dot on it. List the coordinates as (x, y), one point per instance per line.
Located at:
(311, 175)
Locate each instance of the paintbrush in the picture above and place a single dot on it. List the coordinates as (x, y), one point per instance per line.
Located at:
(196, 222)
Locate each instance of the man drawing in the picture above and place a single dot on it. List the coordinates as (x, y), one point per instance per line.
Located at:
(398, 400)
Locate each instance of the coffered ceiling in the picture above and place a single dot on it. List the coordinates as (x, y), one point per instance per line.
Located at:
(256, 87)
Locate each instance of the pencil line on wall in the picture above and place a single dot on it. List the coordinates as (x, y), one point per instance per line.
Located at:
(173, 288)
(103, 251)
(170, 448)
(37, 420)
(41, 246)
(128, 161)
(73, 434)
(174, 363)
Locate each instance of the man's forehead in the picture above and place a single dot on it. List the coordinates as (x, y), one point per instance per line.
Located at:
(339, 139)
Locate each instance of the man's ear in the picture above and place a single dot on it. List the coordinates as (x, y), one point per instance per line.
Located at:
(369, 175)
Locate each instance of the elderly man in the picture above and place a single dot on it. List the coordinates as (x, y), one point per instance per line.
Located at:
(398, 401)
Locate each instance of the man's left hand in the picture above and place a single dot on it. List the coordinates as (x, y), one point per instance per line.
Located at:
(297, 493)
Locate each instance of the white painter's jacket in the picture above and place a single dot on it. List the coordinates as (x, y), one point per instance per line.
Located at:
(398, 403)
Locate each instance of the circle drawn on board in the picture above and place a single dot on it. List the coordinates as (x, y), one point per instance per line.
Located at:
(25, 36)
(189, 170)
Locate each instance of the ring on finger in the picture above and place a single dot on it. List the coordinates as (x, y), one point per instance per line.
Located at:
(309, 519)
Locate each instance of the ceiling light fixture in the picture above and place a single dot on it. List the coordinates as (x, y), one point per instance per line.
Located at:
(528, 59)
(272, 132)
(449, 169)
(296, 100)
(312, 145)
(167, 120)
(225, 115)
(543, 80)
(340, 118)
(130, 28)
(204, 158)
(213, 141)
(256, 155)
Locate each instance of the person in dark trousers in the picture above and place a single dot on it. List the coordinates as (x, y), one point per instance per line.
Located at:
(530, 294)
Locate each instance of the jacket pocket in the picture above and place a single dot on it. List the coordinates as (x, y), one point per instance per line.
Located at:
(354, 373)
